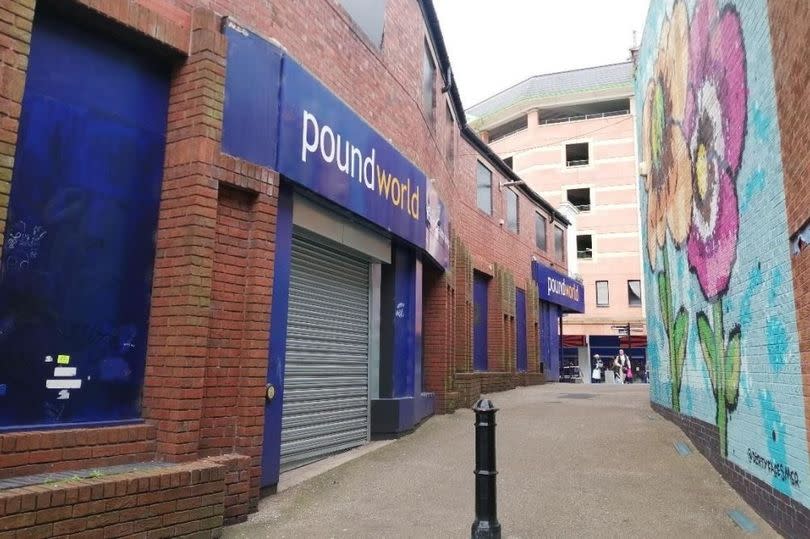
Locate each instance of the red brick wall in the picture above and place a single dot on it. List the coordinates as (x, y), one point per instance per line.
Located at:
(167, 502)
(185, 363)
(16, 20)
(209, 323)
(178, 331)
(374, 82)
(24, 453)
(790, 34)
(227, 316)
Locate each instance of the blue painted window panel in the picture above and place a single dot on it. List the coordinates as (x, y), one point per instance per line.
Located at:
(405, 350)
(550, 339)
(77, 262)
(480, 310)
(522, 352)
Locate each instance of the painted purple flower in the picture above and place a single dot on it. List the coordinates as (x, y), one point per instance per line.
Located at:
(714, 125)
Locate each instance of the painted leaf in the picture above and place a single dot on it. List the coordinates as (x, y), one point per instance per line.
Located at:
(666, 301)
(680, 332)
(709, 347)
(733, 366)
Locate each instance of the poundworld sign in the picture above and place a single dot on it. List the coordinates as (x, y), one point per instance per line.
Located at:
(317, 141)
(558, 288)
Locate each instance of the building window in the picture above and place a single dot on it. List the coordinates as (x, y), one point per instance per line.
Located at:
(602, 294)
(451, 137)
(540, 232)
(576, 155)
(429, 84)
(484, 188)
(369, 15)
(584, 246)
(508, 161)
(580, 198)
(511, 211)
(559, 243)
(634, 293)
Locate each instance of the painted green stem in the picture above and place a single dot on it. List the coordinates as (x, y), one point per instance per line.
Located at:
(676, 393)
(677, 329)
(720, 370)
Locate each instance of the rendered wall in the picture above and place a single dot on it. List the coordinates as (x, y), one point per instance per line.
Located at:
(722, 323)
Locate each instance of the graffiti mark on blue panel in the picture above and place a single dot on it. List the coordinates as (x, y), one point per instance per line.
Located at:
(76, 270)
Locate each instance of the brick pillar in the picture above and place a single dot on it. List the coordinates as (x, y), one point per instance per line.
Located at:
(179, 321)
(16, 23)
(438, 337)
(463, 276)
(533, 326)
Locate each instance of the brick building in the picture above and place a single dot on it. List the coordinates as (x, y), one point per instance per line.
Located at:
(722, 95)
(237, 237)
(571, 136)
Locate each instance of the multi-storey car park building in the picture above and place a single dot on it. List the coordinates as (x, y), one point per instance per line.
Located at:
(570, 136)
(239, 236)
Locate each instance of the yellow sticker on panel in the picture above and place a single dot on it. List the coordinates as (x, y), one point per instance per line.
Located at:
(62, 359)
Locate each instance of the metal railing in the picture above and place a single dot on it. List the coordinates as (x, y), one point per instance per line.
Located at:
(577, 163)
(584, 117)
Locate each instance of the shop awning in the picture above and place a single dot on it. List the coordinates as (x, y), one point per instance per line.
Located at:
(573, 341)
(636, 341)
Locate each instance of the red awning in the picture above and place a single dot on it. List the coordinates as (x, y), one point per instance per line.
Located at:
(636, 341)
(573, 341)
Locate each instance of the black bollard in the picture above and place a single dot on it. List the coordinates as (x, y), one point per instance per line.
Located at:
(486, 525)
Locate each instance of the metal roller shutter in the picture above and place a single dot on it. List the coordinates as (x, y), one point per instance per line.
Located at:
(325, 406)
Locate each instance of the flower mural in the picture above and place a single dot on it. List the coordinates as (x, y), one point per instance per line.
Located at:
(712, 81)
(714, 123)
(668, 183)
(693, 137)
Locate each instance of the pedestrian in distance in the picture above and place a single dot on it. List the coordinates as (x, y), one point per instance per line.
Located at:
(623, 363)
(618, 375)
(596, 375)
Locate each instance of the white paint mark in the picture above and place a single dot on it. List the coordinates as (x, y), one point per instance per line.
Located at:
(64, 371)
(63, 395)
(73, 383)
(48, 359)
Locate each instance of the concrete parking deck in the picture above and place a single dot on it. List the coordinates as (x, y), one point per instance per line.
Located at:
(573, 460)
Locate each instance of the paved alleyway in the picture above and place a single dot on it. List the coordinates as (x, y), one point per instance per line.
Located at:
(574, 461)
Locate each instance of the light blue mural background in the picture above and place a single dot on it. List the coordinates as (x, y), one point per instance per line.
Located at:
(769, 418)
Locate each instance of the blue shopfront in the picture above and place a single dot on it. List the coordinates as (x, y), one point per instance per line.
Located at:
(76, 268)
(357, 225)
(559, 294)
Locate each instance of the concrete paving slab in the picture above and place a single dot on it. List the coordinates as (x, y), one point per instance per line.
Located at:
(603, 466)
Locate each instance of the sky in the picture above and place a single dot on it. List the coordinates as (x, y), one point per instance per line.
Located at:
(494, 44)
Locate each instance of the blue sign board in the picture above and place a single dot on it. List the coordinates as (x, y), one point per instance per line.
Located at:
(252, 75)
(295, 125)
(328, 149)
(437, 228)
(558, 288)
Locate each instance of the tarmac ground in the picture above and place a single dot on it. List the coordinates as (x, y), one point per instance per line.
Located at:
(574, 460)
